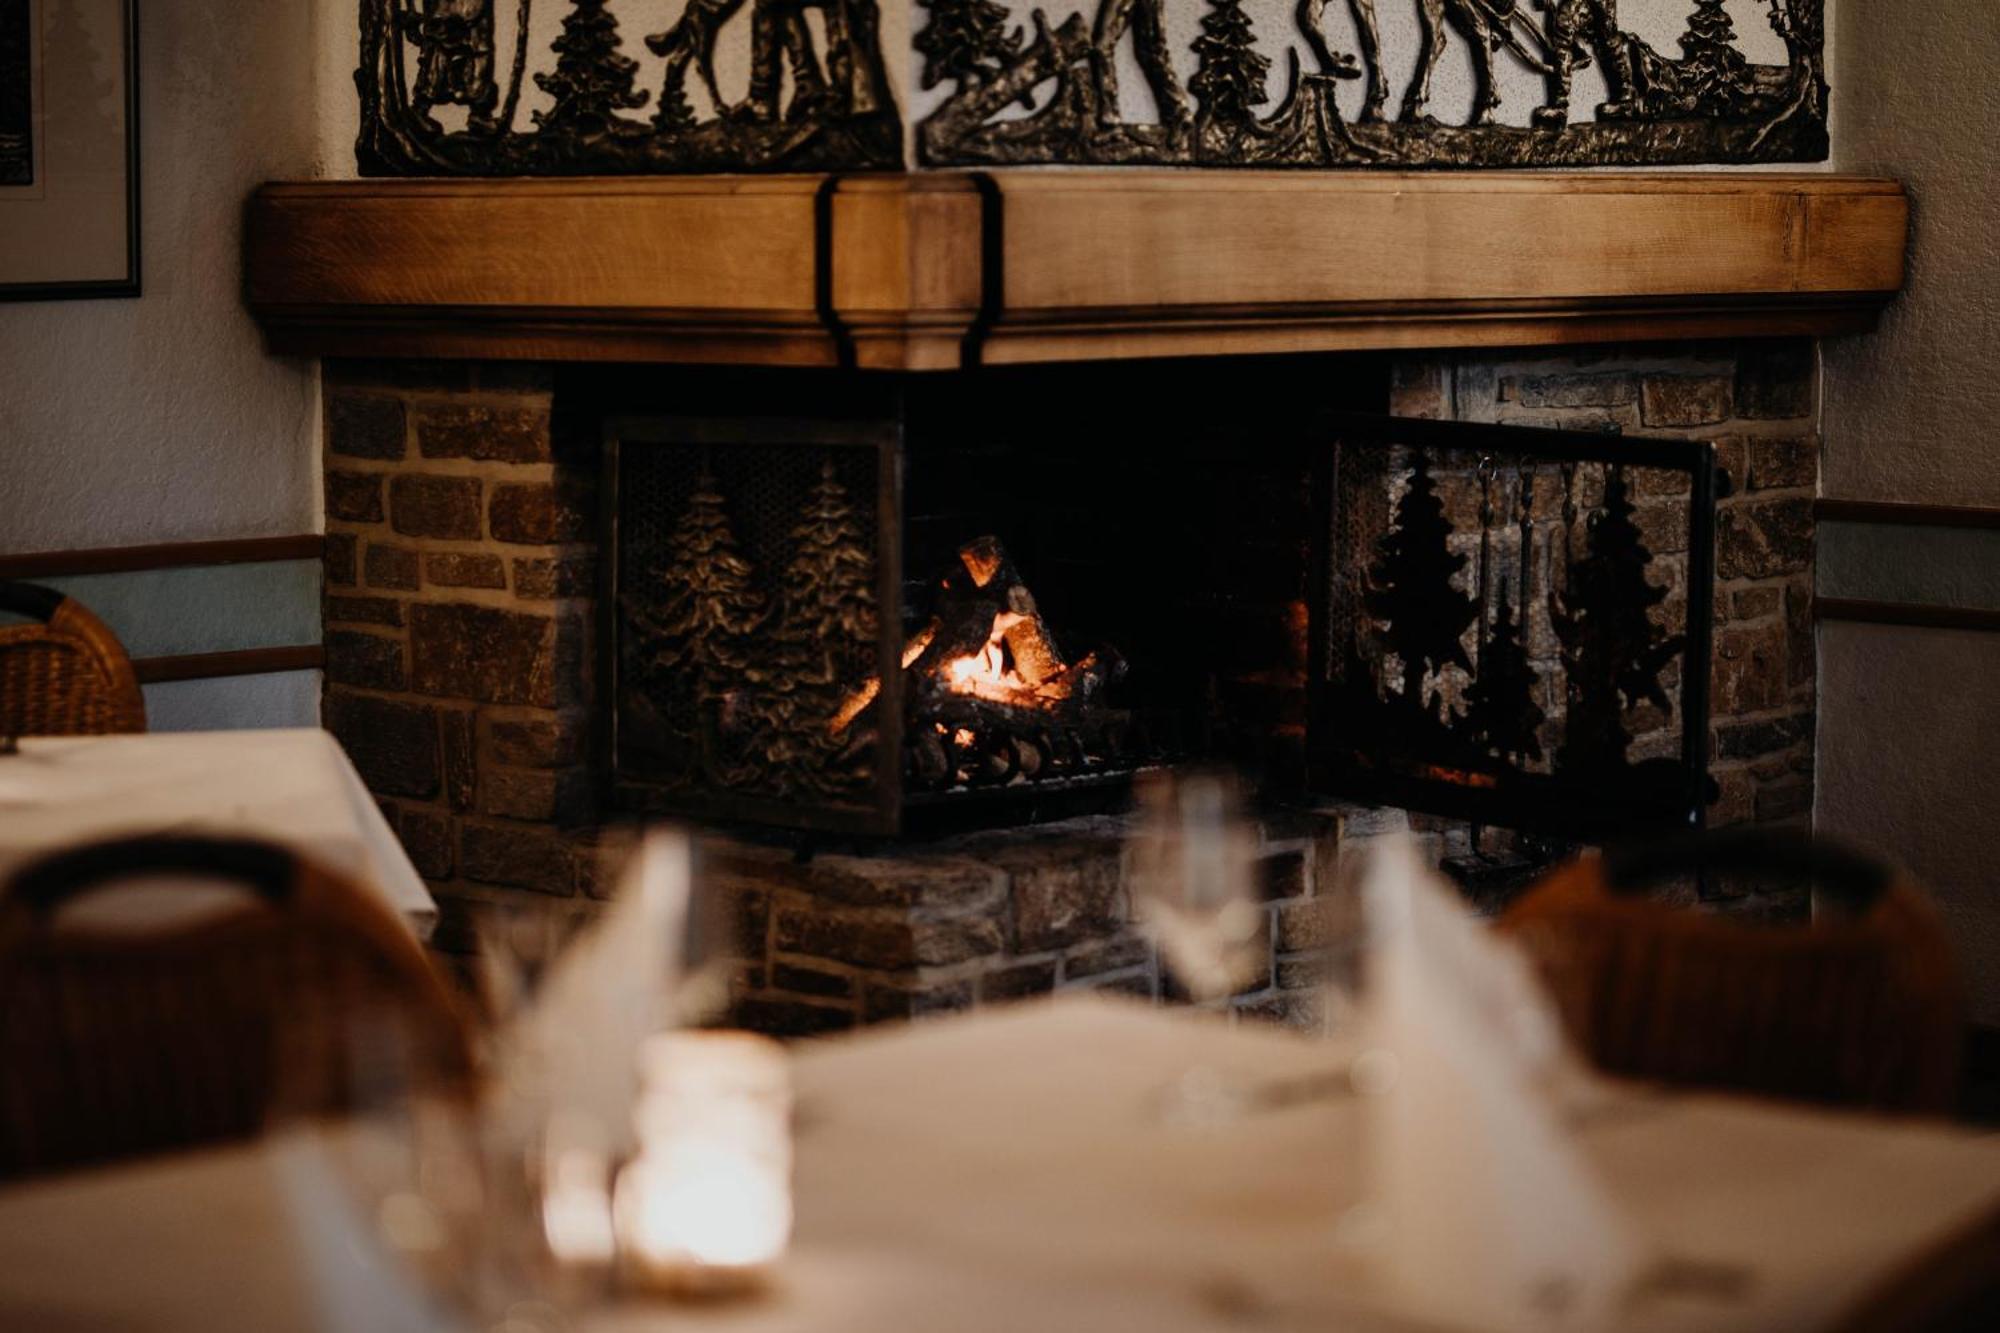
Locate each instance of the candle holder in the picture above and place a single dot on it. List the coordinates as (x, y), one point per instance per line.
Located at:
(705, 1209)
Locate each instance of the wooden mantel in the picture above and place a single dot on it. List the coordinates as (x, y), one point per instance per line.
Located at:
(934, 271)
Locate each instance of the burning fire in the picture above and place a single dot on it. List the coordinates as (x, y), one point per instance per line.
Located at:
(987, 674)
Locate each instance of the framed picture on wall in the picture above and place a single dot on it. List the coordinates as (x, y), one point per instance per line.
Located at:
(69, 149)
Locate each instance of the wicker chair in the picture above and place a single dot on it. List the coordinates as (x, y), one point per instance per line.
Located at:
(1861, 1008)
(66, 674)
(120, 1039)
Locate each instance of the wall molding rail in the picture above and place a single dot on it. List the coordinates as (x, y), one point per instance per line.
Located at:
(166, 555)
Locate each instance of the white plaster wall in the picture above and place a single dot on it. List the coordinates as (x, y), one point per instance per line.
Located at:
(162, 419)
(1913, 407)
(1910, 718)
(1909, 721)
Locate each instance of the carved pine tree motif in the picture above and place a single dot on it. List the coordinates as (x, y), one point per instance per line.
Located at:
(821, 640)
(1604, 621)
(1422, 617)
(695, 620)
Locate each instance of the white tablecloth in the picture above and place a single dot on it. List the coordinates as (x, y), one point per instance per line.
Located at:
(1008, 1172)
(294, 787)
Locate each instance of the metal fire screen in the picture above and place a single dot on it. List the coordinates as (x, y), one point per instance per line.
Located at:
(1513, 626)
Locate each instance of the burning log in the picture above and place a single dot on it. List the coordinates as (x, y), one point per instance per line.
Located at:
(990, 696)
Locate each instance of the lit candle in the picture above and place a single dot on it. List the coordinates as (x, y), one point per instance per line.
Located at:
(706, 1207)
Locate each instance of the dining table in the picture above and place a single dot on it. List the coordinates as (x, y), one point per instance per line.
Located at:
(293, 786)
(1094, 1164)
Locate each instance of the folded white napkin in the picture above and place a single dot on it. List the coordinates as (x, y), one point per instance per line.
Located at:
(1494, 1218)
(574, 1050)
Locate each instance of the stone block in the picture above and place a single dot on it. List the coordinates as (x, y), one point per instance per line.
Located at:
(1111, 956)
(365, 425)
(354, 497)
(1680, 401)
(421, 505)
(1755, 603)
(384, 611)
(1749, 669)
(1138, 985)
(1018, 982)
(461, 770)
(1300, 926)
(1736, 797)
(811, 981)
(1303, 1009)
(427, 837)
(551, 742)
(1801, 648)
(543, 578)
(1064, 892)
(885, 1003)
(390, 567)
(1784, 800)
(540, 794)
(393, 745)
(372, 661)
(1774, 380)
(1282, 875)
(516, 856)
(1783, 463)
(1420, 387)
(500, 433)
(861, 940)
(777, 1017)
(460, 569)
(1566, 391)
(1764, 538)
(1751, 740)
(489, 655)
(341, 563)
(541, 513)
(902, 881)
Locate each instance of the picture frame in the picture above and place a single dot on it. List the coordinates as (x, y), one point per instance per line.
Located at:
(69, 150)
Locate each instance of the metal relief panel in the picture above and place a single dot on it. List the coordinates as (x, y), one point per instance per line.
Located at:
(1678, 81)
(751, 561)
(622, 87)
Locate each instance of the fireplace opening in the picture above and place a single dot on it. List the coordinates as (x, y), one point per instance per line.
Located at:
(934, 602)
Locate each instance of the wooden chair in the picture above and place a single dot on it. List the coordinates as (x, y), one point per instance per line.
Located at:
(119, 1038)
(66, 674)
(1860, 1008)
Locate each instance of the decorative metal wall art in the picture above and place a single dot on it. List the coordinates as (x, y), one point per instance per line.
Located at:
(447, 89)
(1496, 636)
(1053, 97)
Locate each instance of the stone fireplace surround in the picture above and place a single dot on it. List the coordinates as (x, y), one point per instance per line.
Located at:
(460, 610)
(461, 552)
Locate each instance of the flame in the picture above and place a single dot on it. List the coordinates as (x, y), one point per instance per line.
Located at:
(986, 673)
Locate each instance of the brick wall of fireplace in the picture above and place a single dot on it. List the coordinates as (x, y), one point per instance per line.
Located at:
(460, 634)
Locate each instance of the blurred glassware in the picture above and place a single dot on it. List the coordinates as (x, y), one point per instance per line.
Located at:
(1192, 867)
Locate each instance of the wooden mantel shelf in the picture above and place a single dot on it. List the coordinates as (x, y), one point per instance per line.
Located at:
(934, 271)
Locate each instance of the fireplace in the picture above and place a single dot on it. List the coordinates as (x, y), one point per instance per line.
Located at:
(984, 598)
(998, 340)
